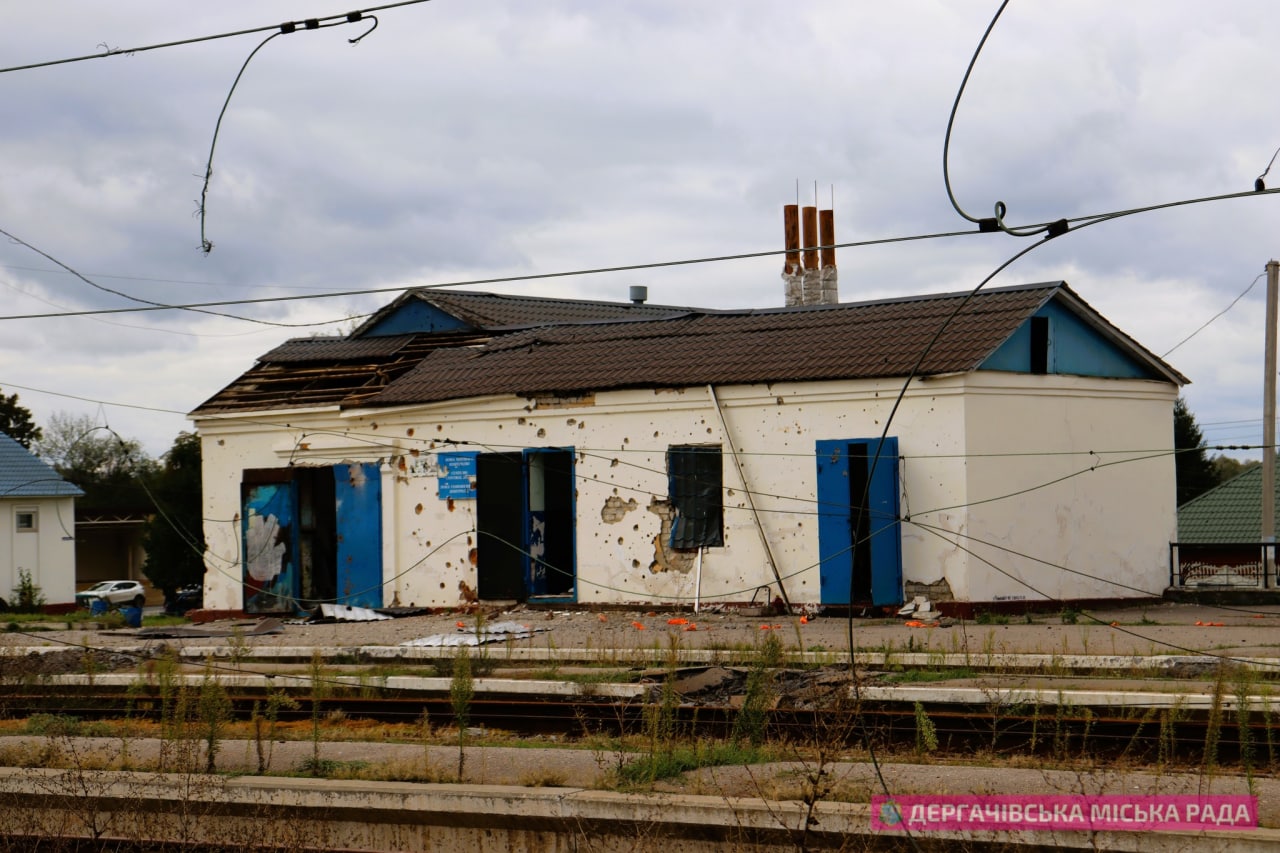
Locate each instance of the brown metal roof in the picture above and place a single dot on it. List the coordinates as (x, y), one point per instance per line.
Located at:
(849, 341)
(493, 311)
(308, 372)
(679, 348)
(301, 350)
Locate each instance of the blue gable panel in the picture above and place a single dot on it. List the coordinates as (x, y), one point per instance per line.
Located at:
(415, 317)
(1074, 348)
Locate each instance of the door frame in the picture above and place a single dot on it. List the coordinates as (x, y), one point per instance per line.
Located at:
(838, 545)
(519, 520)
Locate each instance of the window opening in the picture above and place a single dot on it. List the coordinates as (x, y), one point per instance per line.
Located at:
(696, 489)
(1039, 345)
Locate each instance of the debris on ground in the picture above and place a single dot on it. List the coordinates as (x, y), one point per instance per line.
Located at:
(196, 632)
(497, 632)
(64, 662)
(347, 613)
(726, 687)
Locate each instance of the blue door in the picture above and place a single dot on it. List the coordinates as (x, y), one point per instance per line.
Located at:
(549, 478)
(312, 535)
(859, 536)
(357, 492)
(269, 533)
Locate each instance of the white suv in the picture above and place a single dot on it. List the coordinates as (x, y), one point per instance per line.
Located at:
(117, 593)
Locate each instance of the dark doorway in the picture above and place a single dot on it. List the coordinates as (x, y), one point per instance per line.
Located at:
(312, 535)
(525, 525)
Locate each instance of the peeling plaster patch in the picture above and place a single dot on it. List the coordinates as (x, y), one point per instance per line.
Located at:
(939, 590)
(615, 509)
(450, 505)
(409, 432)
(417, 510)
(667, 559)
(542, 433)
(473, 556)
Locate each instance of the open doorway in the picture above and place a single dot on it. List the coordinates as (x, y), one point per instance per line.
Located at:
(312, 535)
(525, 525)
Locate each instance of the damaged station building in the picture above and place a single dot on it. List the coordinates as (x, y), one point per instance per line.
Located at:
(484, 448)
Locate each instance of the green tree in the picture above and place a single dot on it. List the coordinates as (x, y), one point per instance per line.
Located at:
(1195, 471)
(174, 536)
(1228, 468)
(16, 421)
(106, 465)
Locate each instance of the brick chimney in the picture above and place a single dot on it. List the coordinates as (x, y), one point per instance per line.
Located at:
(792, 280)
(809, 275)
(812, 274)
(830, 293)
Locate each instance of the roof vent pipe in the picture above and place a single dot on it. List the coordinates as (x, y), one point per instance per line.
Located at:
(810, 278)
(829, 289)
(792, 278)
(639, 293)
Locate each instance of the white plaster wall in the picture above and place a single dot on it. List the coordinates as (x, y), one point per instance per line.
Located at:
(1102, 529)
(620, 441)
(48, 553)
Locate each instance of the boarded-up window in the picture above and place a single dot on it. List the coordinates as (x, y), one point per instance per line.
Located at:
(695, 488)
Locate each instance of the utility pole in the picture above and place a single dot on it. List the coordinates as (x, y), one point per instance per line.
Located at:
(1269, 420)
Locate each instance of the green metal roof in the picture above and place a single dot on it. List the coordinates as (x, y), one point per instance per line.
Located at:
(1230, 512)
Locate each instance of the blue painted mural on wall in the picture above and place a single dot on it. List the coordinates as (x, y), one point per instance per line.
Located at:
(269, 533)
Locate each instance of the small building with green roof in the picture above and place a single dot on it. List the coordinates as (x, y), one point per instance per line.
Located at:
(1220, 535)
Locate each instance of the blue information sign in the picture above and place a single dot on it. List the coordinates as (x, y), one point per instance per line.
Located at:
(457, 475)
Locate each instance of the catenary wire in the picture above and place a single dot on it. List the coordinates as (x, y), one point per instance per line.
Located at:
(1077, 223)
(1206, 323)
(294, 26)
(151, 305)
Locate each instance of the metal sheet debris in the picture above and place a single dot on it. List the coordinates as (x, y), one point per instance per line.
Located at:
(348, 613)
(254, 629)
(498, 632)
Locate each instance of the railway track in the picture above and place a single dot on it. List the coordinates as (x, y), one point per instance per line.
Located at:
(941, 719)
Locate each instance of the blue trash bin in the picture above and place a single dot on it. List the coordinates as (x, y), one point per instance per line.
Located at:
(132, 616)
(97, 607)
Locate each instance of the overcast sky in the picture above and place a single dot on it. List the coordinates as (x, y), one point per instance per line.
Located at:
(467, 139)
